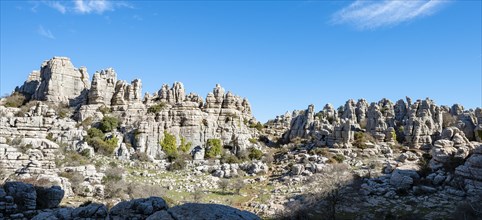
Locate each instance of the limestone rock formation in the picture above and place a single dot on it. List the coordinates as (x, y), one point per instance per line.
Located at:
(452, 145)
(424, 121)
(103, 87)
(471, 171)
(59, 81)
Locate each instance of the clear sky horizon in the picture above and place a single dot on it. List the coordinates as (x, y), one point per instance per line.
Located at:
(281, 55)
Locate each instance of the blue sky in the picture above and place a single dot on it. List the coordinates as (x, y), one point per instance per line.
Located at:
(281, 55)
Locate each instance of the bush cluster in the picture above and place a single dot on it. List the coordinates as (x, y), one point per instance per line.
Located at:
(361, 138)
(108, 124)
(255, 154)
(214, 148)
(169, 145)
(99, 142)
(15, 100)
(258, 126)
(156, 108)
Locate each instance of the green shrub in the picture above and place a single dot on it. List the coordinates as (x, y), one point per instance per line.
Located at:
(104, 110)
(255, 154)
(185, 146)
(108, 124)
(72, 158)
(50, 137)
(479, 133)
(169, 145)
(179, 163)
(15, 100)
(258, 126)
(229, 158)
(140, 156)
(95, 132)
(214, 148)
(85, 123)
(361, 139)
(156, 108)
(339, 158)
(242, 155)
(113, 174)
(96, 139)
(253, 140)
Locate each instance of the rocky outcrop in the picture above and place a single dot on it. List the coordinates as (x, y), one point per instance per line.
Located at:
(21, 200)
(471, 171)
(103, 87)
(424, 121)
(209, 211)
(478, 128)
(137, 208)
(417, 124)
(59, 81)
(453, 145)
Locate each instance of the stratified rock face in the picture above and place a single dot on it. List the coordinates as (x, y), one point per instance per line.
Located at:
(59, 81)
(30, 85)
(103, 87)
(424, 121)
(127, 93)
(223, 116)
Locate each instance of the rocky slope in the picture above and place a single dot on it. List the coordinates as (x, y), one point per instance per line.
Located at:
(101, 140)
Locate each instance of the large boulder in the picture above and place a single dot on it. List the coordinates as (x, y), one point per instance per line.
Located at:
(48, 198)
(24, 195)
(137, 208)
(195, 211)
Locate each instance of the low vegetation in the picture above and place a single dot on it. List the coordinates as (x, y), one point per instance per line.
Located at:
(169, 146)
(15, 100)
(156, 108)
(108, 124)
(214, 148)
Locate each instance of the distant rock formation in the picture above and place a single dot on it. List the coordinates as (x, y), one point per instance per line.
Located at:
(419, 124)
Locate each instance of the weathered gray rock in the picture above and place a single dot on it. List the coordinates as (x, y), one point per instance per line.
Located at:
(424, 121)
(209, 211)
(452, 145)
(23, 194)
(137, 208)
(48, 198)
(103, 87)
(59, 81)
(90, 211)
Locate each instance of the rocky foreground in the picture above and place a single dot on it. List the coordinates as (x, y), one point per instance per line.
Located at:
(98, 149)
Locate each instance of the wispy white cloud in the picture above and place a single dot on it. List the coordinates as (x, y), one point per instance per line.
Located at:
(98, 6)
(45, 32)
(57, 6)
(375, 14)
(82, 6)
